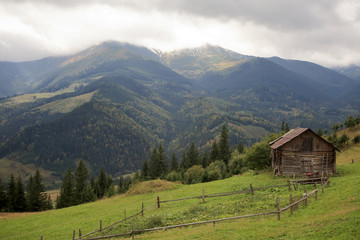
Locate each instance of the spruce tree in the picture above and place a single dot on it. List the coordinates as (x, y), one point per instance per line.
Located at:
(20, 200)
(154, 164)
(66, 198)
(121, 184)
(102, 183)
(36, 197)
(205, 159)
(224, 148)
(81, 177)
(174, 165)
(11, 194)
(192, 157)
(145, 171)
(163, 167)
(240, 147)
(3, 198)
(214, 152)
(183, 160)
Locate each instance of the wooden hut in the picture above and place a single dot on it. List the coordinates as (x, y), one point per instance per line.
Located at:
(302, 152)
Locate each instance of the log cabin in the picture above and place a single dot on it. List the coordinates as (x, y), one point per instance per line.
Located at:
(302, 152)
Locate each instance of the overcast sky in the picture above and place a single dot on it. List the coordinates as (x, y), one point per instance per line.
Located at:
(322, 31)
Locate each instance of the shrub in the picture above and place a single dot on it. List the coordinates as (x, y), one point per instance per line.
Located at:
(174, 176)
(236, 163)
(215, 171)
(194, 174)
(153, 221)
(356, 139)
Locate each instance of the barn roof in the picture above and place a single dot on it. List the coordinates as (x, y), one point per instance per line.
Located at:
(293, 133)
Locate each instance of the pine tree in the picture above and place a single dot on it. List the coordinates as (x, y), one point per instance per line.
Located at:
(154, 164)
(35, 196)
(214, 152)
(163, 167)
(11, 194)
(121, 185)
(205, 159)
(183, 160)
(20, 200)
(145, 171)
(224, 148)
(282, 126)
(81, 177)
(240, 147)
(102, 183)
(174, 165)
(66, 198)
(192, 157)
(3, 198)
(287, 127)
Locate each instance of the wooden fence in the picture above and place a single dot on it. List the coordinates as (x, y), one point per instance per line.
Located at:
(203, 196)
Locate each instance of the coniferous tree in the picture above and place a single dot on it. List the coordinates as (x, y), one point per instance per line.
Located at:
(66, 198)
(154, 164)
(240, 147)
(11, 194)
(183, 160)
(282, 126)
(205, 159)
(3, 198)
(163, 167)
(81, 177)
(20, 200)
(192, 157)
(214, 152)
(287, 128)
(224, 148)
(101, 183)
(121, 185)
(145, 171)
(174, 165)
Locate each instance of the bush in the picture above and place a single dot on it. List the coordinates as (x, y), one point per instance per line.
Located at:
(174, 176)
(236, 163)
(356, 139)
(215, 171)
(194, 174)
(153, 221)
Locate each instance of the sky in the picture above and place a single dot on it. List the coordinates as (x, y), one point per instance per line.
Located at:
(326, 32)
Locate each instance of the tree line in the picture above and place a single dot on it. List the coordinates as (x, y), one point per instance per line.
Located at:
(222, 161)
(17, 199)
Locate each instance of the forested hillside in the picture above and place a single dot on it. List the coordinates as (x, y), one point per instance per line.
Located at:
(111, 104)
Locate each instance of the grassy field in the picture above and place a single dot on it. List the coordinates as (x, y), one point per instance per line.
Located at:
(335, 215)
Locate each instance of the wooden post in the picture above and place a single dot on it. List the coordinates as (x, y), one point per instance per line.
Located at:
(214, 217)
(203, 196)
(292, 207)
(124, 213)
(316, 195)
(132, 229)
(41, 237)
(251, 189)
(305, 195)
(100, 225)
(352, 161)
(79, 233)
(289, 185)
(278, 208)
(74, 234)
(158, 201)
(142, 209)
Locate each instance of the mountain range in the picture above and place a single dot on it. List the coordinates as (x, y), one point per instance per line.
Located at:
(112, 103)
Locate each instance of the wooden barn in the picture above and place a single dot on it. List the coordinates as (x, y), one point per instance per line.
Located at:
(302, 152)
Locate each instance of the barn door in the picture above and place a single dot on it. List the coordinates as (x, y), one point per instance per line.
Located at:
(306, 166)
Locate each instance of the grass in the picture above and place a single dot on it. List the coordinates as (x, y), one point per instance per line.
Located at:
(335, 215)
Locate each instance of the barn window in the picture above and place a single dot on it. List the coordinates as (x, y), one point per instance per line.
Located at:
(307, 144)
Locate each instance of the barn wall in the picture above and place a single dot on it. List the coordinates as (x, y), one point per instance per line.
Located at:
(305, 153)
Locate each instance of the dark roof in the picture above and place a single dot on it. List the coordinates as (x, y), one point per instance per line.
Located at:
(293, 133)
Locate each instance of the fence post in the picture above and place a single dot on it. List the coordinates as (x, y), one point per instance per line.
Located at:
(251, 189)
(132, 229)
(100, 225)
(203, 195)
(158, 201)
(292, 207)
(278, 208)
(41, 237)
(142, 209)
(316, 194)
(214, 217)
(352, 161)
(79, 233)
(74, 235)
(289, 185)
(124, 213)
(305, 195)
